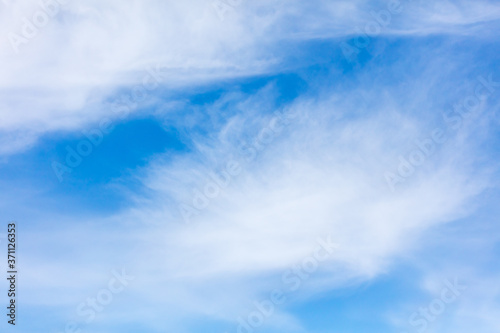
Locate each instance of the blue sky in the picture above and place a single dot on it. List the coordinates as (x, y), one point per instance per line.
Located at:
(264, 166)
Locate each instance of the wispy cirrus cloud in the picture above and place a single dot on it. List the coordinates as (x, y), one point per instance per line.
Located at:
(302, 168)
(105, 47)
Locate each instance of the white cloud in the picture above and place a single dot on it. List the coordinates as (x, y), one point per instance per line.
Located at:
(322, 174)
(62, 77)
